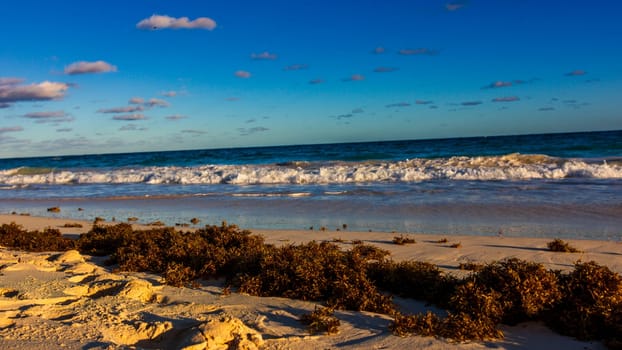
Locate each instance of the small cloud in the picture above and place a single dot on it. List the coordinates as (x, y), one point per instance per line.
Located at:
(423, 102)
(242, 74)
(10, 81)
(385, 69)
(378, 50)
(546, 109)
(117, 110)
(454, 6)
(249, 131)
(506, 99)
(49, 117)
(232, 99)
(193, 132)
(471, 103)
(576, 73)
(64, 130)
(399, 104)
(500, 84)
(132, 127)
(134, 116)
(344, 116)
(156, 102)
(136, 101)
(296, 67)
(11, 91)
(316, 81)
(264, 56)
(11, 129)
(175, 117)
(4, 105)
(156, 22)
(169, 93)
(249, 121)
(419, 51)
(354, 77)
(84, 67)
(358, 110)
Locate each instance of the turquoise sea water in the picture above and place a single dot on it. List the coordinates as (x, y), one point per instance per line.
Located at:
(562, 185)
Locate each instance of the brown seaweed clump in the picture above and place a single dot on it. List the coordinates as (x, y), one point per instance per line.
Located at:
(402, 240)
(54, 210)
(14, 236)
(591, 305)
(558, 245)
(321, 320)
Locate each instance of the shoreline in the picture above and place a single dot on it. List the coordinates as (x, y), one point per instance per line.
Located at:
(600, 222)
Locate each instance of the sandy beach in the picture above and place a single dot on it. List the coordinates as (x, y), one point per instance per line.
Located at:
(67, 300)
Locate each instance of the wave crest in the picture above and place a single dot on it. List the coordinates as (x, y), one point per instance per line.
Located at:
(507, 167)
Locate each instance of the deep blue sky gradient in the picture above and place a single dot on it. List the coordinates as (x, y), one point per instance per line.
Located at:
(531, 44)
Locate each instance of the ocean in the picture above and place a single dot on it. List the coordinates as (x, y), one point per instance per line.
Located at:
(550, 185)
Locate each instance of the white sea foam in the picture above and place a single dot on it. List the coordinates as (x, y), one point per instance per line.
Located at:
(508, 167)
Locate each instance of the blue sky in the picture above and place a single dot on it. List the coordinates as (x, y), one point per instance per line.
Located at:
(82, 77)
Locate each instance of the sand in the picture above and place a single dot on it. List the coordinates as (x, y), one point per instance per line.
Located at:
(71, 301)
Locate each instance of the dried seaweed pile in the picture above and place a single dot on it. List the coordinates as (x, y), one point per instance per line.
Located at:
(585, 303)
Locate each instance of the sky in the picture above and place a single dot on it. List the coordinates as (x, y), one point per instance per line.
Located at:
(90, 77)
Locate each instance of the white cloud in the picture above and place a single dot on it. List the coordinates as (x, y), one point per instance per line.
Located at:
(137, 100)
(385, 69)
(194, 132)
(11, 91)
(454, 6)
(126, 109)
(132, 127)
(176, 117)
(299, 66)
(498, 84)
(242, 74)
(49, 117)
(506, 99)
(423, 102)
(264, 56)
(471, 103)
(249, 131)
(169, 93)
(576, 73)
(10, 81)
(378, 50)
(419, 51)
(156, 22)
(134, 116)
(355, 77)
(399, 104)
(157, 102)
(11, 129)
(84, 67)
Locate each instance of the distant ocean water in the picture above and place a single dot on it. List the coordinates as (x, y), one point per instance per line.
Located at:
(562, 185)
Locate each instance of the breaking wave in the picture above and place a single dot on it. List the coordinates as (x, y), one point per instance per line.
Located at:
(490, 168)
